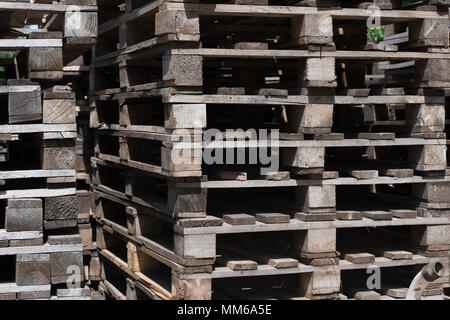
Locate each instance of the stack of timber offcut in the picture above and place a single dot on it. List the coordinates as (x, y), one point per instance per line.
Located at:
(362, 179)
(41, 253)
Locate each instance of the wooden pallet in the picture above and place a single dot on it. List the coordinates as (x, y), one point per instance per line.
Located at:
(166, 231)
(125, 252)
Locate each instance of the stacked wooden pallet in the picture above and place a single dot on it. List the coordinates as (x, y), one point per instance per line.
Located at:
(354, 154)
(40, 246)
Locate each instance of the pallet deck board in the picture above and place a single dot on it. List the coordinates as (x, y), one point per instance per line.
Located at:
(300, 225)
(312, 182)
(34, 128)
(267, 270)
(291, 54)
(46, 248)
(19, 235)
(13, 288)
(36, 193)
(22, 174)
(41, 7)
(299, 99)
(302, 61)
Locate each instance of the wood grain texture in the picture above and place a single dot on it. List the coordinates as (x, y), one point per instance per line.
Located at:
(59, 111)
(80, 24)
(24, 219)
(58, 158)
(61, 208)
(32, 269)
(61, 262)
(24, 106)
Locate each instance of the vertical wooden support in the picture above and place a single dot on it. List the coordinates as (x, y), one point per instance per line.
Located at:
(317, 72)
(186, 202)
(304, 160)
(185, 116)
(432, 73)
(182, 23)
(195, 246)
(94, 267)
(310, 118)
(100, 237)
(141, 224)
(316, 246)
(316, 199)
(428, 157)
(182, 70)
(428, 32)
(315, 203)
(190, 289)
(435, 196)
(323, 283)
(312, 29)
(131, 290)
(432, 241)
(181, 162)
(140, 262)
(424, 118)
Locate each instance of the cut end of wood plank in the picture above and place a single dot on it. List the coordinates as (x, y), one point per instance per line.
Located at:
(272, 218)
(404, 214)
(240, 265)
(283, 263)
(398, 255)
(208, 221)
(310, 217)
(239, 219)
(359, 258)
(378, 215)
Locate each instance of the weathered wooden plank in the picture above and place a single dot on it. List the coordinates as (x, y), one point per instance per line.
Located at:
(39, 249)
(21, 235)
(290, 11)
(301, 225)
(291, 54)
(312, 182)
(36, 193)
(32, 128)
(17, 44)
(54, 7)
(299, 99)
(23, 174)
